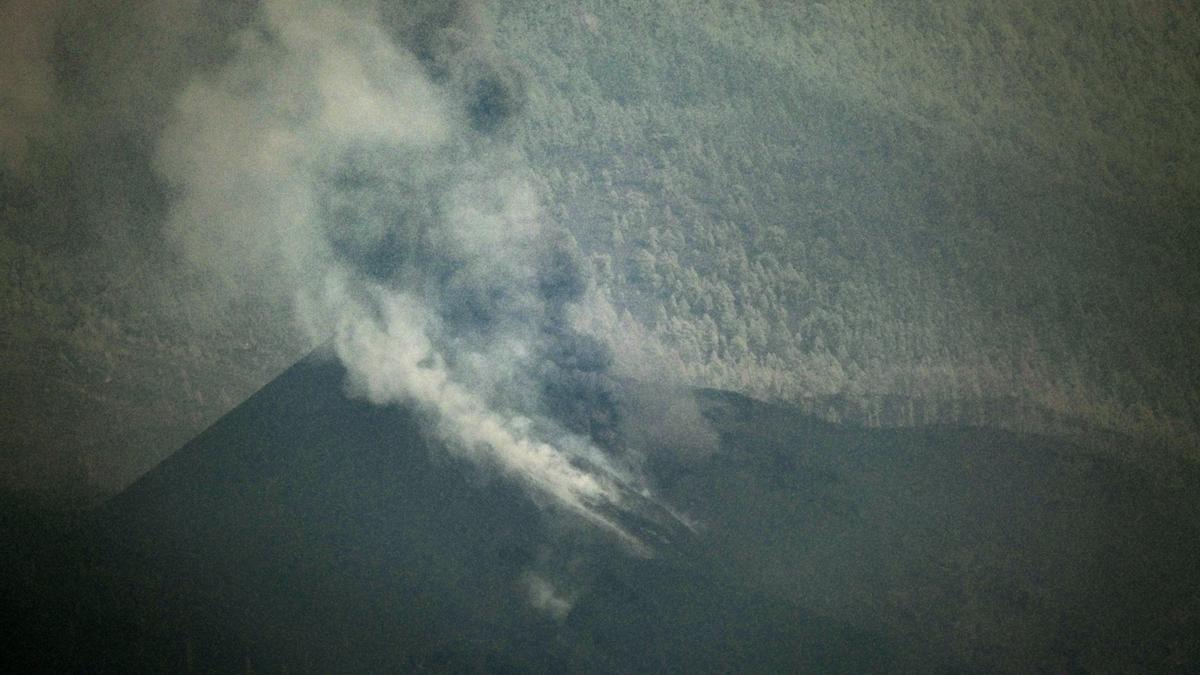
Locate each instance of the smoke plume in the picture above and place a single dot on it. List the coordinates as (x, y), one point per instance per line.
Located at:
(358, 156)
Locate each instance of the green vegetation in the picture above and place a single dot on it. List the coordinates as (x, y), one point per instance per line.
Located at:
(887, 213)
(986, 211)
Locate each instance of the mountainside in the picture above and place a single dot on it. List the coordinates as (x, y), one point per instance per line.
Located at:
(988, 209)
(873, 200)
(307, 531)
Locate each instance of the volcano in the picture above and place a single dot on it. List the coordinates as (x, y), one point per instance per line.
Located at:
(308, 531)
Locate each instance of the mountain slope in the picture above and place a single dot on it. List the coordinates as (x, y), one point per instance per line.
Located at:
(969, 547)
(308, 531)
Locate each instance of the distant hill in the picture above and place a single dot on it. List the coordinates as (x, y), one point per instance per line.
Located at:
(306, 531)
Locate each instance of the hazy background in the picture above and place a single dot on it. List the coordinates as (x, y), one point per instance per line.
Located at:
(891, 215)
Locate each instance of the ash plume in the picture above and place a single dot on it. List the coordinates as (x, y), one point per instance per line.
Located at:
(354, 157)
(358, 156)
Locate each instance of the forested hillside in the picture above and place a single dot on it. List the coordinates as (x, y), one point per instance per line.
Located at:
(896, 214)
(130, 360)
(888, 213)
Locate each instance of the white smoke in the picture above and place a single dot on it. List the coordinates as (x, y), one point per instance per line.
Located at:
(545, 597)
(246, 144)
(322, 143)
(392, 359)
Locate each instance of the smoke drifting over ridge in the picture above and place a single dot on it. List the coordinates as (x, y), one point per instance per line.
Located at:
(356, 154)
(353, 158)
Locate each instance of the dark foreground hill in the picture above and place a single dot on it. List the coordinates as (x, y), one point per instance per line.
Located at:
(309, 532)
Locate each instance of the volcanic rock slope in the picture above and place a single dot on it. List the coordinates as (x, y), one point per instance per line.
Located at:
(309, 531)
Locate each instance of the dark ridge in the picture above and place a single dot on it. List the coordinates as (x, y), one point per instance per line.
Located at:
(308, 531)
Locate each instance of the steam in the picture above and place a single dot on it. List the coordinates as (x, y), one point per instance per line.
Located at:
(393, 359)
(546, 598)
(360, 162)
(357, 159)
(246, 145)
